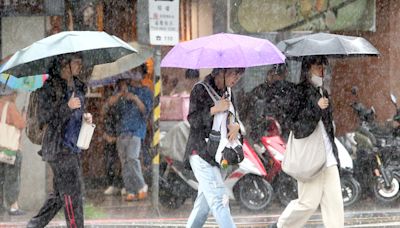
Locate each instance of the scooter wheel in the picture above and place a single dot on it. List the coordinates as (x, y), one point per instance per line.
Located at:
(287, 189)
(351, 190)
(387, 195)
(171, 201)
(253, 192)
(168, 196)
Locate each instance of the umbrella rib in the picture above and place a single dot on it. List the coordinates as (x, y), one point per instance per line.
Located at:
(198, 59)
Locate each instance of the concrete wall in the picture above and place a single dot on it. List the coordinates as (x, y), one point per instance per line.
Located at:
(17, 33)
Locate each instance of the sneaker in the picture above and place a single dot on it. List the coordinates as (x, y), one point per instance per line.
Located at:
(111, 190)
(123, 191)
(143, 192)
(145, 188)
(131, 197)
(16, 212)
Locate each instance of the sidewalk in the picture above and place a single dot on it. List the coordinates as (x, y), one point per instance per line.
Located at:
(113, 211)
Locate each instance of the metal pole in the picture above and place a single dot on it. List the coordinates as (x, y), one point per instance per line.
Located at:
(156, 128)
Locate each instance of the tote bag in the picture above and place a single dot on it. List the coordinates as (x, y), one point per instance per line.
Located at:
(9, 135)
(305, 158)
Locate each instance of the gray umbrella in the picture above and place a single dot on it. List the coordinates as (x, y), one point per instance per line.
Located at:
(95, 47)
(326, 44)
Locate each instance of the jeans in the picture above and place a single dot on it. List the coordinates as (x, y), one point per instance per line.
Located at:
(10, 179)
(128, 150)
(211, 195)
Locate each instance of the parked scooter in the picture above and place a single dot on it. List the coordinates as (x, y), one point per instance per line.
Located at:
(271, 149)
(245, 182)
(272, 152)
(377, 162)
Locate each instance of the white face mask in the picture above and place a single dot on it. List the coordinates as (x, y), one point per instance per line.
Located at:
(316, 80)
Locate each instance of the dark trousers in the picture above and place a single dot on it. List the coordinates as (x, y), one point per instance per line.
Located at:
(67, 193)
(112, 159)
(10, 179)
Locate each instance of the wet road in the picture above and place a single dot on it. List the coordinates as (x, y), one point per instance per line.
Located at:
(113, 211)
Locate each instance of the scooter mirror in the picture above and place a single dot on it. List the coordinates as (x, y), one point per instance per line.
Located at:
(354, 90)
(373, 109)
(393, 98)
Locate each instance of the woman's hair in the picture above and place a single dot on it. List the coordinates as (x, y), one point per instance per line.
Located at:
(60, 61)
(308, 61)
(216, 71)
(143, 67)
(278, 69)
(192, 74)
(55, 66)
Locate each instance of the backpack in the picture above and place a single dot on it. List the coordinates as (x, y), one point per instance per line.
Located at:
(33, 130)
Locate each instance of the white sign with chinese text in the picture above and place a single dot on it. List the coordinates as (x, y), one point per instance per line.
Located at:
(164, 22)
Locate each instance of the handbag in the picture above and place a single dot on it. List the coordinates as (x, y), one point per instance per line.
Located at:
(85, 135)
(232, 154)
(305, 158)
(9, 135)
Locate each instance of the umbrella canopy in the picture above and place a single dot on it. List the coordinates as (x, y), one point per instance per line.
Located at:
(95, 47)
(29, 83)
(108, 73)
(223, 50)
(326, 44)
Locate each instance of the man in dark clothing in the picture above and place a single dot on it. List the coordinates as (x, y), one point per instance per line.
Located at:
(269, 99)
(62, 97)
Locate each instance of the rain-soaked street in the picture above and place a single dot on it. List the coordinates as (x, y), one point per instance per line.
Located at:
(113, 211)
(186, 103)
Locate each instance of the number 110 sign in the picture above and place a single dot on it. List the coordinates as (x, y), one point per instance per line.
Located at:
(164, 22)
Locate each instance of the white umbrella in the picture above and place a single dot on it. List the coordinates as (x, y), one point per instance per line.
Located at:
(108, 73)
(95, 47)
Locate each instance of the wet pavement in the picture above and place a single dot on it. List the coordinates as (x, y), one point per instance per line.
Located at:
(113, 211)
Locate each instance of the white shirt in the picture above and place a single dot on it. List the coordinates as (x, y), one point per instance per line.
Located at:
(330, 157)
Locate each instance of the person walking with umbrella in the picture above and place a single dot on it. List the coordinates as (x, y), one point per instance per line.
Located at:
(61, 100)
(312, 109)
(211, 192)
(228, 55)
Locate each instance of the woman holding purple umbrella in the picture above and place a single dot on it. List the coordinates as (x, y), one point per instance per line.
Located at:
(212, 194)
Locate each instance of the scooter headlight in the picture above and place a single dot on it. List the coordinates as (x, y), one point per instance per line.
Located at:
(381, 142)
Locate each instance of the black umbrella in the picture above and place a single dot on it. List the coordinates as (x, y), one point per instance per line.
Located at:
(327, 44)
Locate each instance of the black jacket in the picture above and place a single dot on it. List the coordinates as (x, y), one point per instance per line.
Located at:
(268, 99)
(54, 116)
(200, 121)
(304, 113)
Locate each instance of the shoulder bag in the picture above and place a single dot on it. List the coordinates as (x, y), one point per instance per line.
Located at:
(305, 158)
(9, 135)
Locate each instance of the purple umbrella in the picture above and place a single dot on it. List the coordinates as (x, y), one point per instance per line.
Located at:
(223, 50)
